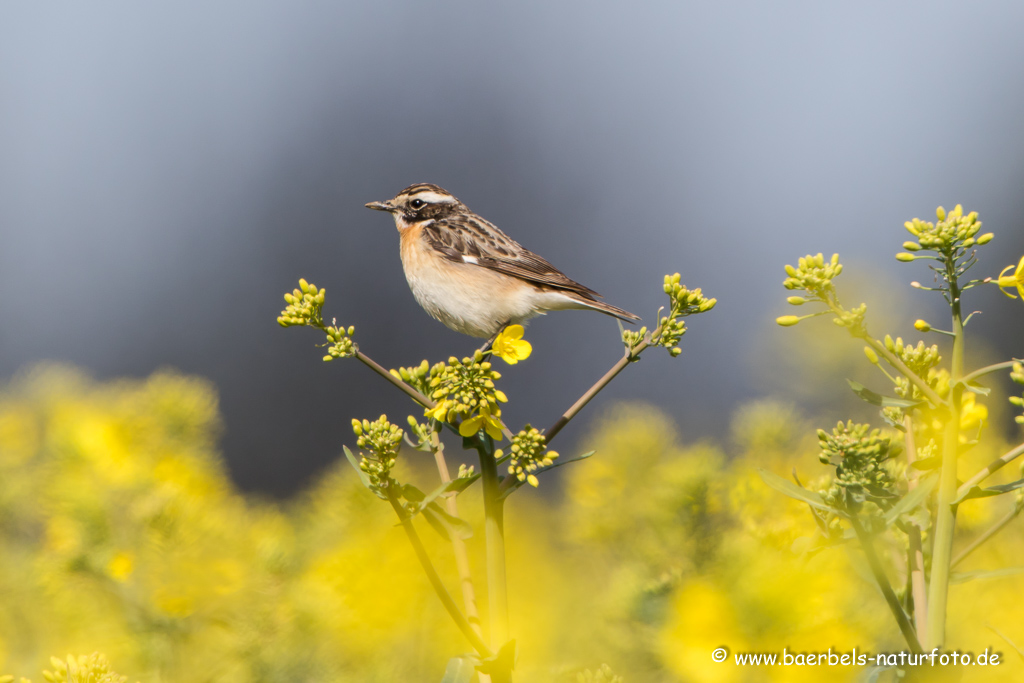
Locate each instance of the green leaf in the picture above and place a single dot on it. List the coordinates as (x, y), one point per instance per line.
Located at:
(558, 463)
(449, 526)
(926, 464)
(977, 389)
(459, 670)
(812, 498)
(978, 492)
(879, 400)
(412, 494)
(363, 476)
(964, 577)
(911, 500)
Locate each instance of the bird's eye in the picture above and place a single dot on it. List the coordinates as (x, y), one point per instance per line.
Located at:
(417, 203)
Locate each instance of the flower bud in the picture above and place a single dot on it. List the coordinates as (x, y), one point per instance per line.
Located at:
(905, 257)
(986, 238)
(911, 246)
(940, 213)
(787, 320)
(922, 326)
(796, 300)
(872, 356)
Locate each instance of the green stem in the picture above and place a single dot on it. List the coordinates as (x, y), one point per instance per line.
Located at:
(989, 469)
(458, 545)
(988, 369)
(883, 583)
(593, 391)
(412, 393)
(911, 376)
(945, 513)
(494, 535)
(915, 553)
(992, 531)
(446, 599)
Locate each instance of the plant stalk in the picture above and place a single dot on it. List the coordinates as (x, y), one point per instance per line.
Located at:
(593, 391)
(446, 599)
(989, 533)
(990, 468)
(494, 534)
(878, 571)
(915, 553)
(458, 545)
(945, 513)
(412, 393)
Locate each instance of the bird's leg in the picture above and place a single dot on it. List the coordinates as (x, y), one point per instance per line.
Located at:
(487, 346)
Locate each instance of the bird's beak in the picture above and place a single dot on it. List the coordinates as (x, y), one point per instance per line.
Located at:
(381, 206)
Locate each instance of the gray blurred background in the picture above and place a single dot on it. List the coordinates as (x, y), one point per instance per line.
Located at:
(167, 171)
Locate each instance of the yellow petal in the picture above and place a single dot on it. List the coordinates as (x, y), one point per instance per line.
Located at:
(470, 426)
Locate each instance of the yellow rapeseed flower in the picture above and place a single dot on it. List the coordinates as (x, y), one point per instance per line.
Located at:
(972, 413)
(1015, 280)
(439, 412)
(485, 420)
(510, 346)
(121, 566)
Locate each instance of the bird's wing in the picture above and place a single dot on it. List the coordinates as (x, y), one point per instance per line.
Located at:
(471, 239)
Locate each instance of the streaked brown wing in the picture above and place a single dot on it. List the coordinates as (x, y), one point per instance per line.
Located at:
(471, 239)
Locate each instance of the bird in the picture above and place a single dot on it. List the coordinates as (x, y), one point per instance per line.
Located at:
(469, 275)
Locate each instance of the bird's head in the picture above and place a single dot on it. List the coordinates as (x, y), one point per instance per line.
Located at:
(419, 203)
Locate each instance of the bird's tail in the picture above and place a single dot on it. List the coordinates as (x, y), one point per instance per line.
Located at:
(607, 309)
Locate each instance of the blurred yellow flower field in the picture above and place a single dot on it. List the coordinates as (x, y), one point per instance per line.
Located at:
(120, 532)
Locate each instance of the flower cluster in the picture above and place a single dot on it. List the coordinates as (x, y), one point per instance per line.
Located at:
(466, 389)
(859, 455)
(92, 668)
(953, 232)
(922, 361)
(683, 302)
(417, 376)
(1017, 375)
(423, 433)
(305, 309)
(527, 455)
(340, 344)
(305, 306)
(381, 439)
(814, 275)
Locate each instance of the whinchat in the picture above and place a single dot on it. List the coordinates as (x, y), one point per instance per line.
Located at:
(471, 276)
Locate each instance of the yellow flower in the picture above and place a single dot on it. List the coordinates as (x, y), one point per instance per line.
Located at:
(1015, 280)
(439, 412)
(490, 423)
(121, 566)
(510, 345)
(972, 413)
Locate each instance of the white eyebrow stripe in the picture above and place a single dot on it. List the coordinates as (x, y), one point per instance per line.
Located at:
(435, 198)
